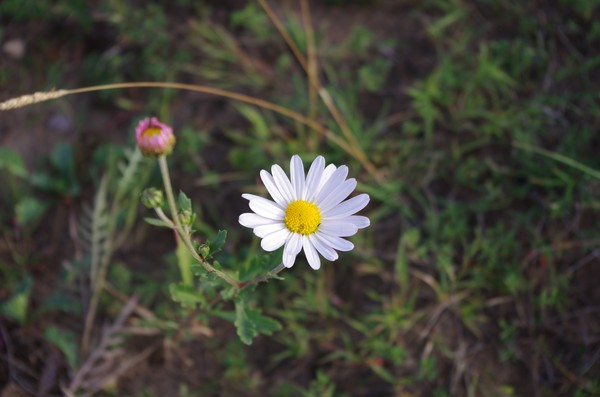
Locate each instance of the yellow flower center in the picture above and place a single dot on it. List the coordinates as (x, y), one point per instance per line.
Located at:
(302, 217)
(152, 132)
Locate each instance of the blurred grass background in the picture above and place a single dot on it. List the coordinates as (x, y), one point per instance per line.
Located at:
(478, 276)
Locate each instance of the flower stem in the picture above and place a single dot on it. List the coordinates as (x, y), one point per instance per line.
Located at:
(184, 235)
(260, 279)
(186, 272)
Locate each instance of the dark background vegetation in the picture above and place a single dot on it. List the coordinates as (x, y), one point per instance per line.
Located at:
(478, 277)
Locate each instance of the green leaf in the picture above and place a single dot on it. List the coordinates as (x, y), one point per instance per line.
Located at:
(66, 341)
(260, 264)
(29, 210)
(246, 329)
(186, 295)
(249, 322)
(157, 222)
(12, 162)
(63, 160)
(217, 243)
(185, 261)
(60, 301)
(15, 308)
(184, 202)
(263, 325)
(259, 124)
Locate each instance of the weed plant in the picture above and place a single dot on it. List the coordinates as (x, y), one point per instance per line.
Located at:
(471, 125)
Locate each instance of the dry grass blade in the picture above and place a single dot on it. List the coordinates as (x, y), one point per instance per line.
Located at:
(106, 362)
(356, 149)
(30, 99)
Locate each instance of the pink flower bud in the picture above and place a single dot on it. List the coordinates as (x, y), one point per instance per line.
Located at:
(154, 138)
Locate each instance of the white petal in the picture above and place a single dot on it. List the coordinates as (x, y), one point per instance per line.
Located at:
(254, 197)
(323, 248)
(327, 172)
(253, 220)
(297, 174)
(313, 178)
(311, 254)
(275, 240)
(336, 228)
(272, 188)
(264, 207)
(357, 220)
(336, 243)
(347, 208)
(283, 183)
(332, 184)
(291, 249)
(337, 195)
(265, 230)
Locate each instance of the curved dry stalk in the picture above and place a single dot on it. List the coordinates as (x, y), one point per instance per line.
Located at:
(30, 99)
(357, 151)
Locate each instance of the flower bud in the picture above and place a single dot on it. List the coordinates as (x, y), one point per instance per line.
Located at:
(154, 138)
(187, 217)
(152, 198)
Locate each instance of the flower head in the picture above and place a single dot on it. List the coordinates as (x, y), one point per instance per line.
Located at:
(152, 198)
(307, 214)
(154, 138)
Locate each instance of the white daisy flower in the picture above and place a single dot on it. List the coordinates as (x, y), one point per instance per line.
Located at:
(307, 214)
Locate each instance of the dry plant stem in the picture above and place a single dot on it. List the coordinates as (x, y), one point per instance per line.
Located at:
(107, 361)
(312, 59)
(26, 100)
(313, 79)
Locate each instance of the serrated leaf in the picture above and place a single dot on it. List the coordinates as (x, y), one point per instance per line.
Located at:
(66, 341)
(229, 293)
(198, 270)
(184, 202)
(262, 324)
(245, 328)
(15, 308)
(157, 222)
(249, 322)
(187, 295)
(217, 243)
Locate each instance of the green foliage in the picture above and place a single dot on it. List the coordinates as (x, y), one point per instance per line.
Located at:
(29, 210)
(11, 162)
(481, 121)
(15, 307)
(47, 10)
(65, 341)
(186, 295)
(249, 322)
(60, 178)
